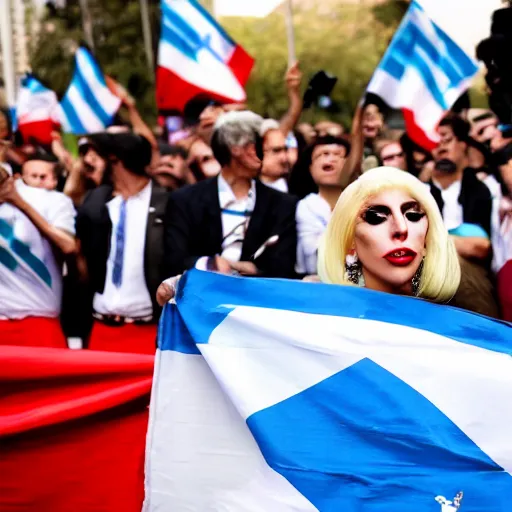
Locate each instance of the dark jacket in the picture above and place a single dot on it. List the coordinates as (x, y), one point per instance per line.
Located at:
(194, 229)
(94, 230)
(475, 199)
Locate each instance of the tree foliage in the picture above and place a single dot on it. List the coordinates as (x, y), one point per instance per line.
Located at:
(345, 39)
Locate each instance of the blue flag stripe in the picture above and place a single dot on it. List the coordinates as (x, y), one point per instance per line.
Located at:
(206, 291)
(204, 12)
(412, 48)
(85, 91)
(72, 117)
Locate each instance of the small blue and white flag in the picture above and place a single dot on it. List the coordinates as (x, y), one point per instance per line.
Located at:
(273, 395)
(88, 105)
(431, 62)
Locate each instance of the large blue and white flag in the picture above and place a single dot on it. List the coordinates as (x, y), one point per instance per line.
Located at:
(431, 61)
(273, 395)
(88, 105)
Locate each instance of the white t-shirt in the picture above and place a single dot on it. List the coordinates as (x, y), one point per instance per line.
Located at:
(30, 276)
(312, 216)
(132, 298)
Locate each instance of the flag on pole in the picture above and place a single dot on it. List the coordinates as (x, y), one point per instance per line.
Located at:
(259, 9)
(430, 62)
(196, 56)
(88, 106)
(289, 396)
(36, 111)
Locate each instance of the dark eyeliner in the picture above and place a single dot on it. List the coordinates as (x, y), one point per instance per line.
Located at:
(375, 215)
(414, 216)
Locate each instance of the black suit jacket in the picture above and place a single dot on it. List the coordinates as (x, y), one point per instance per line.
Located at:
(194, 229)
(94, 230)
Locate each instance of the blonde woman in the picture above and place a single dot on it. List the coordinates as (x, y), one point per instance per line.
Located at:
(386, 234)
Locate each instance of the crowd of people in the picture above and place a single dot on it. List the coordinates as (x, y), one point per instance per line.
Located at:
(89, 242)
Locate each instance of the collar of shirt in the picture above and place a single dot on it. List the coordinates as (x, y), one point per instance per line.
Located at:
(142, 195)
(227, 198)
(451, 190)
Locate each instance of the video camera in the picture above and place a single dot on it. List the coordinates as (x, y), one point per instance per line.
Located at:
(495, 52)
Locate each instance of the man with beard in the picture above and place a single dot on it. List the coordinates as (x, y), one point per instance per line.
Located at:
(466, 204)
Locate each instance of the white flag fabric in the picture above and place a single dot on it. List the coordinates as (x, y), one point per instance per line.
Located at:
(275, 395)
(197, 57)
(88, 105)
(431, 62)
(259, 9)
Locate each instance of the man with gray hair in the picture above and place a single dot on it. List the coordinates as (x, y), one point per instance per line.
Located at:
(232, 223)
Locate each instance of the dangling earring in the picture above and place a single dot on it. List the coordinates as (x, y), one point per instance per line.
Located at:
(416, 279)
(354, 270)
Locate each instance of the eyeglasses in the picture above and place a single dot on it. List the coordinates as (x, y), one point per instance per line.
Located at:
(277, 150)
(392, 157)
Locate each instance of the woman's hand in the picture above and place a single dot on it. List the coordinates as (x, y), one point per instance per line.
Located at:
(167, 290)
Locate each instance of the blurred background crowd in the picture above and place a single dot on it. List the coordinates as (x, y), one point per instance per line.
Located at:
(91, 225)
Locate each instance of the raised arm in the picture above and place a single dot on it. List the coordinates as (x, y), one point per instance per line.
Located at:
(293, 81)
(352, 164)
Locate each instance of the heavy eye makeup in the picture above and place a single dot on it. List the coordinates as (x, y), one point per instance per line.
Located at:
(377, 214)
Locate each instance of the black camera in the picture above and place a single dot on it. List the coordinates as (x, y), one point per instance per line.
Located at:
(495, 52)
(319, 90)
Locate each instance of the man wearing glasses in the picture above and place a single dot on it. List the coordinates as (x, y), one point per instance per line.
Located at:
(391, 154)
(232, 223)
(276, 165)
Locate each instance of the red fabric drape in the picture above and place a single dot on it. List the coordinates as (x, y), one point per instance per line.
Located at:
(72, 430)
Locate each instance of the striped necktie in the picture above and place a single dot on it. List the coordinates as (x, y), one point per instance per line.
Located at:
(117, 273)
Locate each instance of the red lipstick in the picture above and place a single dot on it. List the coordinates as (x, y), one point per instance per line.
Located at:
(401, 257)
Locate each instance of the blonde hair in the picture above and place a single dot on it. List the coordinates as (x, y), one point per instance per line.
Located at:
(440, 276)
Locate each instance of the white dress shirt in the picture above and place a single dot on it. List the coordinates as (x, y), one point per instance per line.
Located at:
(312, 216)
(235, 218)
(453, 214)
(132, 298)
(30, 275)
(280, 184)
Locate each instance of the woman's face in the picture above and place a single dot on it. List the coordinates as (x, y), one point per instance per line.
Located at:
(389, 240)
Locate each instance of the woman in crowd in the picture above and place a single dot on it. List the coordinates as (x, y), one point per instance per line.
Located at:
(387, 234)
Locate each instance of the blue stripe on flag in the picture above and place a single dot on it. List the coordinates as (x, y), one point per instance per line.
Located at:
(74, 122)
(212, 21)
(325, 442)
(173, 333)
(34, 85)
(22, 250)
(88, 95)
(411, 45)
(466, 65)
(200, 307)
(172, 38)
(179, 33)
(93, 65)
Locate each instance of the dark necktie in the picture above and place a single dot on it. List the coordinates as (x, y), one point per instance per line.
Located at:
(117, 273)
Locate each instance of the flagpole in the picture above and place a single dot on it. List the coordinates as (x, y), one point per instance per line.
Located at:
(7, 53)
(290, 31)
(146, 32)
(87, 24)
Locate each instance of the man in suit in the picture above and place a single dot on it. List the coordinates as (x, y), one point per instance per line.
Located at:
(120, 227)
(232, 223)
